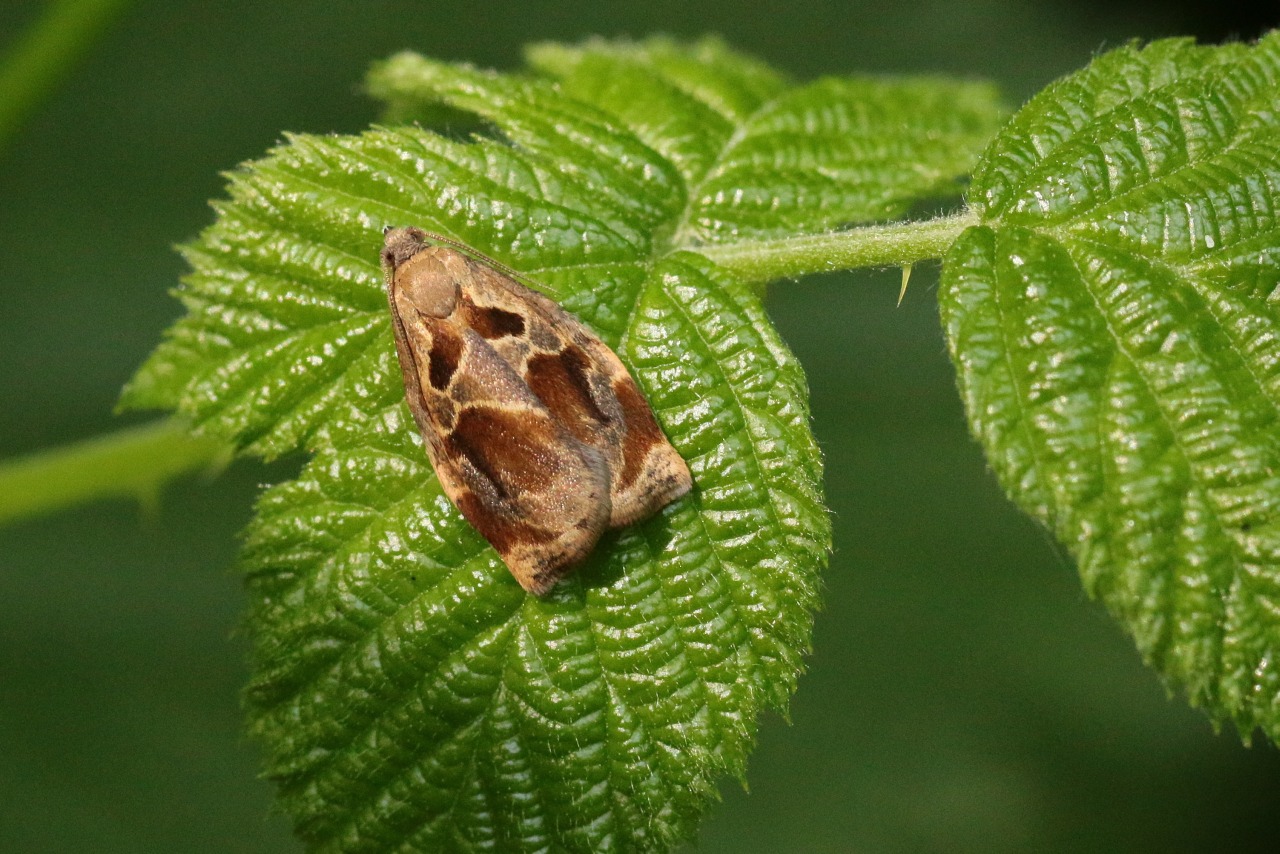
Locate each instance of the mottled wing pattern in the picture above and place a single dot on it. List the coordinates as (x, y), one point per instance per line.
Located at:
(540, 497)
(585, 385)
(536, 430)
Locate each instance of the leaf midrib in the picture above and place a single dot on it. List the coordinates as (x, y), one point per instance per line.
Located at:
(680, 238)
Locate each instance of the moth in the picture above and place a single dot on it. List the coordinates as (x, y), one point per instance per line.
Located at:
(535, 429)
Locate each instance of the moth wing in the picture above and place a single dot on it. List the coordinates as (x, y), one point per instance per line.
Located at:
(651, 473)
(537, 494)
(586, 387)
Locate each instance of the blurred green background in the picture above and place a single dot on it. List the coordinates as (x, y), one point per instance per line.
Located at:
(963, 694)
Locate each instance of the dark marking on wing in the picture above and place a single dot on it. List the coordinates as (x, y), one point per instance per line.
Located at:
(515, 451)
(493, 322)
(446, 355)
(503, 533)
(561, 381)
(643, 431)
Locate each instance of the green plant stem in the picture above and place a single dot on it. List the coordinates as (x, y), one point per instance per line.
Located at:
(893, 245)
(37, 60)
(130, 463)
(136, 462)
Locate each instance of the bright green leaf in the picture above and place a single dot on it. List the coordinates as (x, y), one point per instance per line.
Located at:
(578, 718)
(408, 693)
(756, 158)
(1115, 328)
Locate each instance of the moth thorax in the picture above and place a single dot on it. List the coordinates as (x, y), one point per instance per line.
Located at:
(432, 289)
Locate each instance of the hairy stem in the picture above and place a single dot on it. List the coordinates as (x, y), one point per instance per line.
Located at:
(130, 463)
(893, 245)
(34, 63)
(136, 462)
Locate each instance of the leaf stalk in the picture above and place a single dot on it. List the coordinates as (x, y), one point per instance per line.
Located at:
(131, 463)
(892, 245)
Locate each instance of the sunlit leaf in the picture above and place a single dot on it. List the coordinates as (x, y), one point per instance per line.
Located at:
(408, 693)
(1115, 327)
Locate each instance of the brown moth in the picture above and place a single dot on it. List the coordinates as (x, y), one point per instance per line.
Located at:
(535, 429)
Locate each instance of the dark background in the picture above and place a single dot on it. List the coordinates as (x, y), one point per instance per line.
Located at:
(963, 694)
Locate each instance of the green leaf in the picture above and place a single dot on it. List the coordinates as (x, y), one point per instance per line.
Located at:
(1114, 324)
(763, 160)
(578, 718)
(408, 693)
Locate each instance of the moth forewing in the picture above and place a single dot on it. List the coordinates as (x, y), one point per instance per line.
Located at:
(646, 472)
(586, 386)
(535, 429)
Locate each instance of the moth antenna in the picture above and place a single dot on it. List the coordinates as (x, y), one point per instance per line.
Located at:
(476, 255)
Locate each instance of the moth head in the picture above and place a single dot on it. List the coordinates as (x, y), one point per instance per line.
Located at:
(399, 245)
